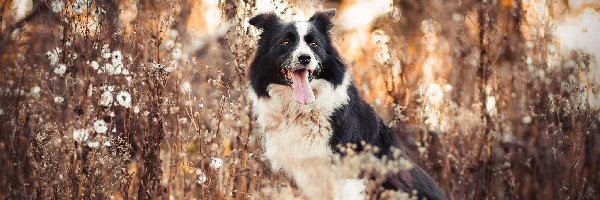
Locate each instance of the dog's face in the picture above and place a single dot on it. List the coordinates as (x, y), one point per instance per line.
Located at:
(294, 54)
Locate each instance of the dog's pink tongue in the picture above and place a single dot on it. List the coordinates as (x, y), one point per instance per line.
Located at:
(301, 87)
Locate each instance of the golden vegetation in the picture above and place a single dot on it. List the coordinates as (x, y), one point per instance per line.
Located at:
(147, 99)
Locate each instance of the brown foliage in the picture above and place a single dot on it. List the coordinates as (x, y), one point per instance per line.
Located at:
(468, 86)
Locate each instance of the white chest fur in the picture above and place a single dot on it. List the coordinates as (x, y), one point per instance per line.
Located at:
(296, 136)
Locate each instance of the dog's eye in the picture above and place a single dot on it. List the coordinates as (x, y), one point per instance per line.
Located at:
(285, 43)
(312, 44)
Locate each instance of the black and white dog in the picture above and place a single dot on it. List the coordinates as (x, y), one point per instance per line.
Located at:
(306, 105)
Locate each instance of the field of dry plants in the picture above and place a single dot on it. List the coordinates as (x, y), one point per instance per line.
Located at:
(147, 99)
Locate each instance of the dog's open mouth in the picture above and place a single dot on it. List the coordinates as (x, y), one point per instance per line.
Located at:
(300, 79)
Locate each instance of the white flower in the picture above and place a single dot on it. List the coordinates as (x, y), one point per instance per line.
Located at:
(169, 44)
(109, 68)
(95, 65)
(216, 163)
(160, 67)
(106, 97)
(107, 144)
(94, 144)
(156, 66)
(35, 91)
(19, 91)
(79, 6)
(116, 56)
(176, 54)
(136, 109)
(112, 69)
(201, 176)
(172, 33)
(183, 120)
(60, 69)
(1, 112)
(58, 99)
(100, 126)
(186, 87)
(80, 135)
(53, 55)
(124, 99)
(527, 119)
(447, 88)
(105, 51)
(117, 62)
(434, 94)
(57, 6)
(529, 61)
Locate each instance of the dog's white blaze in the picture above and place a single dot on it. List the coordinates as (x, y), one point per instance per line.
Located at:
(296, 136)
(302, 48)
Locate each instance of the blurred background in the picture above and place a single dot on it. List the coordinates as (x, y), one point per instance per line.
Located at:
(496, 99)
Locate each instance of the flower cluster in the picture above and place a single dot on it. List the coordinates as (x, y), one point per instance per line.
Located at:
(114, 62)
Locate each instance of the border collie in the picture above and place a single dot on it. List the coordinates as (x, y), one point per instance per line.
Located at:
(306, 105)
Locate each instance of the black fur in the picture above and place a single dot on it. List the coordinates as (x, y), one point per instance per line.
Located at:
(353, 122)
(356, 122)
(270, 56)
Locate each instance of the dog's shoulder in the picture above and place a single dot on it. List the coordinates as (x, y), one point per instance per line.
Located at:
(357, 122)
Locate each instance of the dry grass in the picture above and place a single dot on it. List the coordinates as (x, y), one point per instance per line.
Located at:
(147, 99)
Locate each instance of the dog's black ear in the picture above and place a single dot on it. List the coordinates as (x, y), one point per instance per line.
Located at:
(265, 21)
(323, 20)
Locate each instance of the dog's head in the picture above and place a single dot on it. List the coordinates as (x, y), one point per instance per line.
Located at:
(294, 54)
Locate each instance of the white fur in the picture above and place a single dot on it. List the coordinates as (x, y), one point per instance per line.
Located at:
(351, 189)
(296, 136)
(303, 48)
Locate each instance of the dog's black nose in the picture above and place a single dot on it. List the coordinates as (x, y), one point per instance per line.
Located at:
(304, 59)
